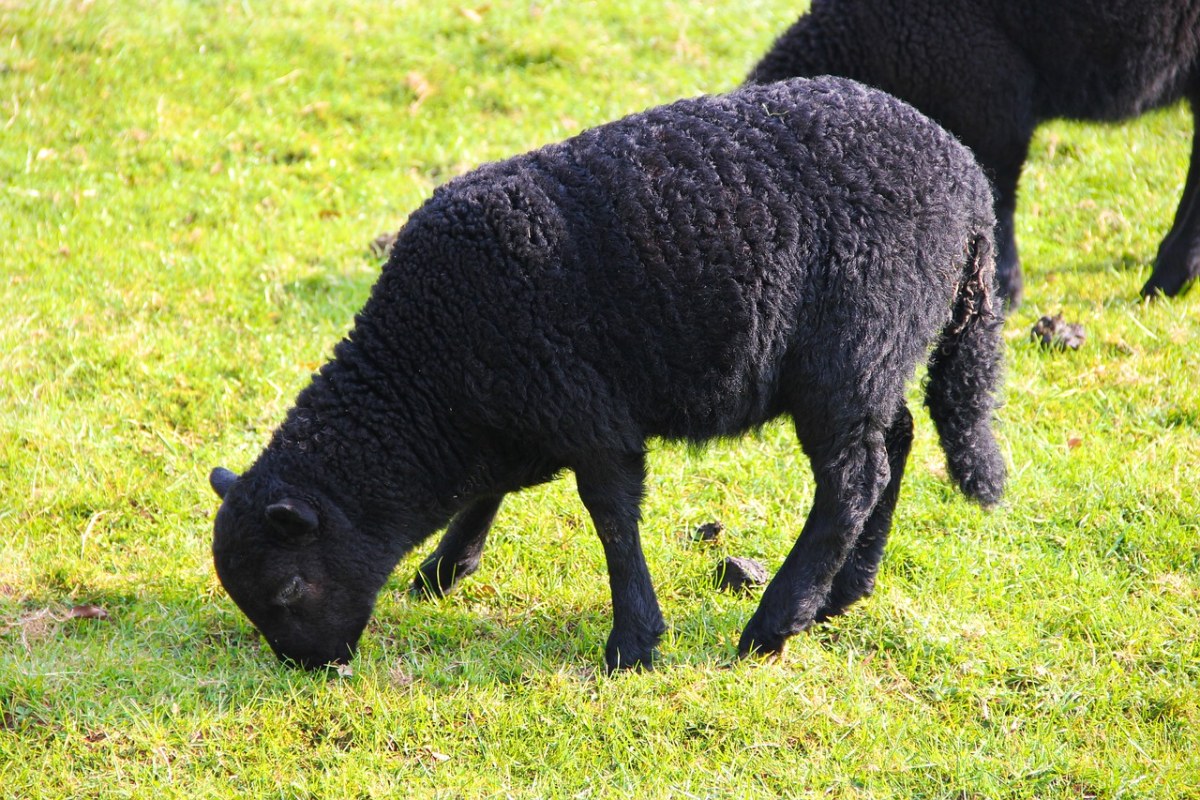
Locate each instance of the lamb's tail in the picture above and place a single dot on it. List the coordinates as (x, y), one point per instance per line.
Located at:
(964, 376)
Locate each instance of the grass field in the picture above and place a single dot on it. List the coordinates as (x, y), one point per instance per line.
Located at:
(188, 191)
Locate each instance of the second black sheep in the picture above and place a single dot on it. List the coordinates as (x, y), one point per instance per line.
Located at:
(991, 71)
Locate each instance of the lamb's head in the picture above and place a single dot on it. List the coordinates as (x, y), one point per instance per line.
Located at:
(297, 567)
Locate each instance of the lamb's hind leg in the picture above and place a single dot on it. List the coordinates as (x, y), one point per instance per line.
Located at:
(856, 578)
(457, 554)
(1178, 260)
(851, 471)
(610, 485)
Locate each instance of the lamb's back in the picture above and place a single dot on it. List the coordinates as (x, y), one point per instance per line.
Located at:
(653, 274)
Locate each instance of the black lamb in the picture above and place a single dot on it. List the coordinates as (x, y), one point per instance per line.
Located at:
(991, 70)
(686, 273)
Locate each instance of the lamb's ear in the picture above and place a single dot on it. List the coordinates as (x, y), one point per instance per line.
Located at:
(293, 516)
(220, 479)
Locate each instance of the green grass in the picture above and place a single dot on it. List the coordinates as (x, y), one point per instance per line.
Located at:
(188, 192)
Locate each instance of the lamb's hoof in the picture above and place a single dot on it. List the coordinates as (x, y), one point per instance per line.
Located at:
(1167, 283)
(436, 578)
(835, 608)
(761, 646)
(1177, 264)
(825, 614)
(618, 661)
(423, 589)
(633, 652)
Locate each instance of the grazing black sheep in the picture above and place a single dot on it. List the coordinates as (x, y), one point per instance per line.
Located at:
(991, 70)
(686, 273)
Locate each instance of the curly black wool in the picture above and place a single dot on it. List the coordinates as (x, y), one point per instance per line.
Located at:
(689, 272)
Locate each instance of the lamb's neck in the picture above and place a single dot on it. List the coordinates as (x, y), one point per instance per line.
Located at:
(395, 464)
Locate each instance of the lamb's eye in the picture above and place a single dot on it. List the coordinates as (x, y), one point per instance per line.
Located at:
(292, 591)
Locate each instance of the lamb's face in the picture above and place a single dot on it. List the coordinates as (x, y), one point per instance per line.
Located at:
(296, 567)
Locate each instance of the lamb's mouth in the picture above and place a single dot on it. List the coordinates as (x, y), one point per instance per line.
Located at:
(315, 660)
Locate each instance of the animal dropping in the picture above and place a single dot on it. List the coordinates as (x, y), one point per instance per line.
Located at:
(736, 574)
(1053, 332)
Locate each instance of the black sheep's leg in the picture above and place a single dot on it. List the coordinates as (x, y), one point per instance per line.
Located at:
(1178, 260)
(851, 471)
(856, 578)
(610, 486)
(457, 554)
(1008, 261)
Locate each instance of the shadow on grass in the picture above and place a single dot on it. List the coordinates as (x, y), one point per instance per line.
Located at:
(158, 636)
(192, 647)
(449, 644)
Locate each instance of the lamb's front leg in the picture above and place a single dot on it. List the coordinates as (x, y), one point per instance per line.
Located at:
(610, 485)
(457, 554)
(850, 477)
